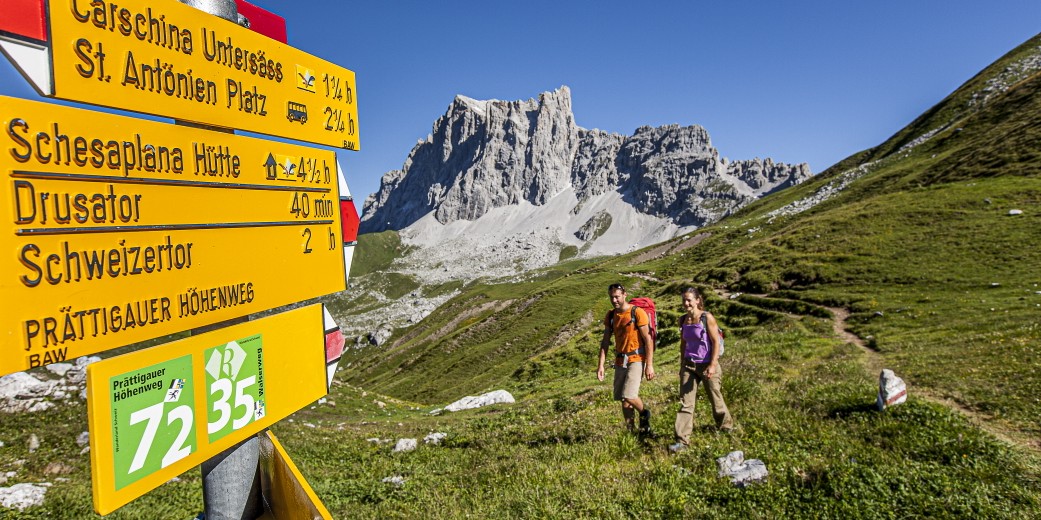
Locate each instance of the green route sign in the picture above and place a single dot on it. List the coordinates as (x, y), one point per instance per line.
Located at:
(158, 412)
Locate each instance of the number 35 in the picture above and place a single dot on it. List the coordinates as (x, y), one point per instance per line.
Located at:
(221, 405)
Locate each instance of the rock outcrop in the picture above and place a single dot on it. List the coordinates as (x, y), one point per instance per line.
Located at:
(481, 155)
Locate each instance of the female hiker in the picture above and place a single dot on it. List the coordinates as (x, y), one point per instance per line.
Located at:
(699, 345)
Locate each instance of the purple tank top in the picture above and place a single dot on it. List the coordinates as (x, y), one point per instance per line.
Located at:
(696, 343)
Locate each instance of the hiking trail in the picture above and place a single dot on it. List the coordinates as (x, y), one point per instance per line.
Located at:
(873, 363)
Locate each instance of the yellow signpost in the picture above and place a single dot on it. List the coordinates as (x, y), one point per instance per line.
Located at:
(158, 412)
(285, 490)
(165, 58)
(120, 230)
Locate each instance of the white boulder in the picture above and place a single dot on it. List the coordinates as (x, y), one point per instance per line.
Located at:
(891, 390)
(469, 402)
(741, 472)
(21, 392)
(405, 445)
(434, 438)
(22, 496)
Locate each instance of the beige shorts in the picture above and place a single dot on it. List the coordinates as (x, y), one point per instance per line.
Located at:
(627, 381)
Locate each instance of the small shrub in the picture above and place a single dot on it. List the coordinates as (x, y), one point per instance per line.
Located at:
(626, 445)
(563, 405)
(756, 281)
(803, 274)
(669, 336)
(722, 275)
(567, 253)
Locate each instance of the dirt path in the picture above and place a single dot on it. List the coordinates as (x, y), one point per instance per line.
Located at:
(872, 359)
(642, 276)
(873, 364)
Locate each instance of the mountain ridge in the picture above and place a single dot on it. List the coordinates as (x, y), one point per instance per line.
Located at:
(489, 154)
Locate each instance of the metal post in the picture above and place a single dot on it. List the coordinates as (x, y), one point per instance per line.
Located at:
(230, 480)
(231, 483)
(226, 9)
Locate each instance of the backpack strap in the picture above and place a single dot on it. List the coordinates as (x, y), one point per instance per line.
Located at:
(641, 351)
(704, 324)
(610, 318)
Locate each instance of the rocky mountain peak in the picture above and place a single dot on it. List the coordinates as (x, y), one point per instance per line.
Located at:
(483, 155)
(480, 155)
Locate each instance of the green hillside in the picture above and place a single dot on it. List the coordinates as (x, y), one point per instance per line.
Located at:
(920, 248)
(914, 251)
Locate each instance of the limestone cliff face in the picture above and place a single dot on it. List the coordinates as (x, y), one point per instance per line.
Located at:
(483, 155)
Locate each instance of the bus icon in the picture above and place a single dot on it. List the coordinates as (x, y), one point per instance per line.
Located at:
(297, 112)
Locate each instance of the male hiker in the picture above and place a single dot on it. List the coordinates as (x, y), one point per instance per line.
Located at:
(633, 356)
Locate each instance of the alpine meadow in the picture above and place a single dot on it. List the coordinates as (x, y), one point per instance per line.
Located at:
(919, 255)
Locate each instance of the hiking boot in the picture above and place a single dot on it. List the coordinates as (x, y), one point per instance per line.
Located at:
(677, 447)
(645, 421)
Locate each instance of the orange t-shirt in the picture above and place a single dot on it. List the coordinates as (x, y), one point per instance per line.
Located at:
(626, 337)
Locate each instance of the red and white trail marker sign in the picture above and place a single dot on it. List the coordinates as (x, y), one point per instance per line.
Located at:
(24, 39)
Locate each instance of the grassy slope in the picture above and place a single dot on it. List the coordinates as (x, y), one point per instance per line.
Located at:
(922, 252)
(940, 281)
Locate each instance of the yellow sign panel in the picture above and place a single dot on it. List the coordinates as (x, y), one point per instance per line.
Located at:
(120, 230)
(158, 412)
(287, 494)
(165, 58)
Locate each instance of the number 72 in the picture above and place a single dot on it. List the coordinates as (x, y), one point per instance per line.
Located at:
(154, 415)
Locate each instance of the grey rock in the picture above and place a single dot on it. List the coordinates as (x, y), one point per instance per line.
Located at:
(435, 438)
(380, 336)
(501, 188)
(83, 361)
(396, 481)
(405, 445)
(21, 385)
(21, 392)
(741, 472)
(891, 390)
(470, 402)
(77, 375)
(59, 369)
(34, 443)
(22, 496)
(58, 468)
(594, 227)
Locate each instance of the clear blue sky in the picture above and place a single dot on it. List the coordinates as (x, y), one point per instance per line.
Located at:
(799, 81)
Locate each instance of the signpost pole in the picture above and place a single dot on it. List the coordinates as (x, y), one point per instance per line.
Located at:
(231, 483)
(231, 480)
